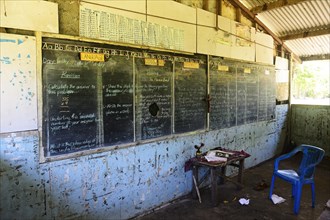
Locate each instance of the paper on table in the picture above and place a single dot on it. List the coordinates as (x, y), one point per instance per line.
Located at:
(277, 199)
(211, 157)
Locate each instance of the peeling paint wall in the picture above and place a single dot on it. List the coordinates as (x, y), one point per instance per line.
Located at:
(118, 184)
(311, 125)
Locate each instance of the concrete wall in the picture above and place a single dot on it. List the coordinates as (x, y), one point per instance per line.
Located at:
(311, 125)
(116, 184)
(120, 183)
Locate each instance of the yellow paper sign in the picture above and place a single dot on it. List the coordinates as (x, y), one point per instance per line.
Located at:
(223, 68)
(92, 57)
(150, 62)
(247, 70)
(191, 65)
(161, 62)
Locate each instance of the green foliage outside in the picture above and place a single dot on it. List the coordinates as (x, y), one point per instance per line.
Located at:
(311, 80)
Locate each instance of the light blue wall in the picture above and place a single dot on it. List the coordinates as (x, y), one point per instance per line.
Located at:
(117, 184)
(311, 125)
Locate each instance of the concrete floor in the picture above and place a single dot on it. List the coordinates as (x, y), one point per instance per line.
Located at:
(260, 206)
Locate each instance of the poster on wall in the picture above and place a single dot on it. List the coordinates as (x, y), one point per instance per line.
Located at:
(18, 83)
(108, 24)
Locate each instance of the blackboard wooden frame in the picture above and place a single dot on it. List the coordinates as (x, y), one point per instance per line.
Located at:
(178, 54)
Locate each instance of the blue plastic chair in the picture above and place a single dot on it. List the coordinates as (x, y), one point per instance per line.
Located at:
(305, 174)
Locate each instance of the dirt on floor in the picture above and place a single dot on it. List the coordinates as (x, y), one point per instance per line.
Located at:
(256, 189)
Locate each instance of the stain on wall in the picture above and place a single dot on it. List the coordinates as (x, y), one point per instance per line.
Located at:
(310, 124)
(68, 14)
(117, 184)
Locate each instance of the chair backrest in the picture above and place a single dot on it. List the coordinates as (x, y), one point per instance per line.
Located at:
(311, 157)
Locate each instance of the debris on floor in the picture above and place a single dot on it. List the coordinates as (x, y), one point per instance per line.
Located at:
(244, 201)
(277, 199)
(261, 186)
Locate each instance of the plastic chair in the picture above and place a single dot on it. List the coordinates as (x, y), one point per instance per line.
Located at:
(305, 174)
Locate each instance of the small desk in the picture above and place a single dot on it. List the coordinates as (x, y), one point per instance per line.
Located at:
(236, 161)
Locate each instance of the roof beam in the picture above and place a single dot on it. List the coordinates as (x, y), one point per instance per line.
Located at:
(273, 5)
(316, 57)
(305, 34)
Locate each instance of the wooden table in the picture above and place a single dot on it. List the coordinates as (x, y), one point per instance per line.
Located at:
(237, 161)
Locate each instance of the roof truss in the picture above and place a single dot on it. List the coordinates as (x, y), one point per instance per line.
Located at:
(316, 57)
(304, 34)
(275, 4)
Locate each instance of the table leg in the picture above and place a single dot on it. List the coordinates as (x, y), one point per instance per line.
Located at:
(223, 174)
(214, 186)
(240, 171)
(195, 174)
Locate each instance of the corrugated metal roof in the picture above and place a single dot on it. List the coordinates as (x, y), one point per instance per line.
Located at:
(292, 19)
(319, 45)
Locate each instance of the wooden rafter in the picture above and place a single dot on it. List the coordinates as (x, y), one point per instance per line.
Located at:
(316, 57)
(304, 34)
(206, 5)
(273, 5)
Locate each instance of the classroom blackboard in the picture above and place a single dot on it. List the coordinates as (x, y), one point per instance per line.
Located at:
(223, 94)
(240, 92)
(190, 97)
(98, 95)
(153, 99)
(70, 114)
(117, 94)
(86, 103)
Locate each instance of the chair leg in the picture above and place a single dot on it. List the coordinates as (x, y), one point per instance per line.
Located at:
(293, 190)
(313, 194)
(272, 187)
(297, 198)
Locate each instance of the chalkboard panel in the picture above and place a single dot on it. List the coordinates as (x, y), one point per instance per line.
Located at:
(252, 94)
(153, 99)
(223, 94)
(190, 98)
(70, 103)
(117, 85)
(232, 102)
(86, 104)
(241, 94)
(263, 87)
(271, 93)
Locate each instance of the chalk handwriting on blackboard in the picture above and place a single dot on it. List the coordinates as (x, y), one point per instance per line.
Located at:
(117, 79)
(190, 98)
(241, 93)
(154, 102)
